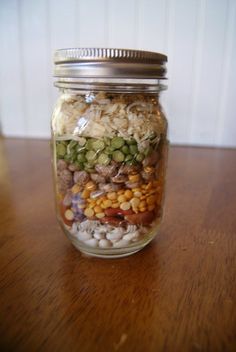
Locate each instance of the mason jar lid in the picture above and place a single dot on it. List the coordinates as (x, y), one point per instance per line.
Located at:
(109, 63)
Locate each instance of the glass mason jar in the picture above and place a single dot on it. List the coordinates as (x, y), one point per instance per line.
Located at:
(109, 137)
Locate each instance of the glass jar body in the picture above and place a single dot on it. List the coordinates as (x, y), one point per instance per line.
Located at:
(109, 160)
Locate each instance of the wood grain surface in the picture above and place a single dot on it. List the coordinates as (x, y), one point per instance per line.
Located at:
(178, 294)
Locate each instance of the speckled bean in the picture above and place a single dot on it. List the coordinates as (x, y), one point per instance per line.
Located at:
(73, 167)
(61, 165)
(81, 177)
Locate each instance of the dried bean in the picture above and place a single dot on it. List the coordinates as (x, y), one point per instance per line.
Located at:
(119, 178)
(131, 236)
(110, 187)
(84, 236)
(151, 160)
(92, 242)
(128, 169)
(122, 243)
(67, 199)
(114, 236)
(104, 243)
(147, 176)
(132, 185)
(99, 236)
(106, 171)
(65, 180)
(81, 177)
(61, 165)
(144, 218)
(98, 178)
(73, 167)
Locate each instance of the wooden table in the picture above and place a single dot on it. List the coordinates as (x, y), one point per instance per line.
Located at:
(178, 294)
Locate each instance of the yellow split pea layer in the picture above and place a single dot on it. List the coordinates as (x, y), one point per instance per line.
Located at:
(140, 199)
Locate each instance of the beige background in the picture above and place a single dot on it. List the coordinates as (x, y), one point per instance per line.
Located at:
(197, 35)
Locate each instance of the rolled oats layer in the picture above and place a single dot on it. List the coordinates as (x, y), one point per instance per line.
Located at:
(103, 114)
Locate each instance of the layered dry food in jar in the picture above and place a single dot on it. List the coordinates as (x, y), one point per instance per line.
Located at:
(110, 159)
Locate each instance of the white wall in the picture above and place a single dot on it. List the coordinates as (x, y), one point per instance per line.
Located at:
(199, 36)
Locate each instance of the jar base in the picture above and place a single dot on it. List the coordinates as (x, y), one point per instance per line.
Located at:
(109, 256)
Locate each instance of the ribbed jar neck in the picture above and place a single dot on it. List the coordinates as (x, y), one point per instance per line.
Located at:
(115, 85)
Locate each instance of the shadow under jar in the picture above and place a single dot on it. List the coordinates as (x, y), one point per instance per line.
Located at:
(110, 147)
